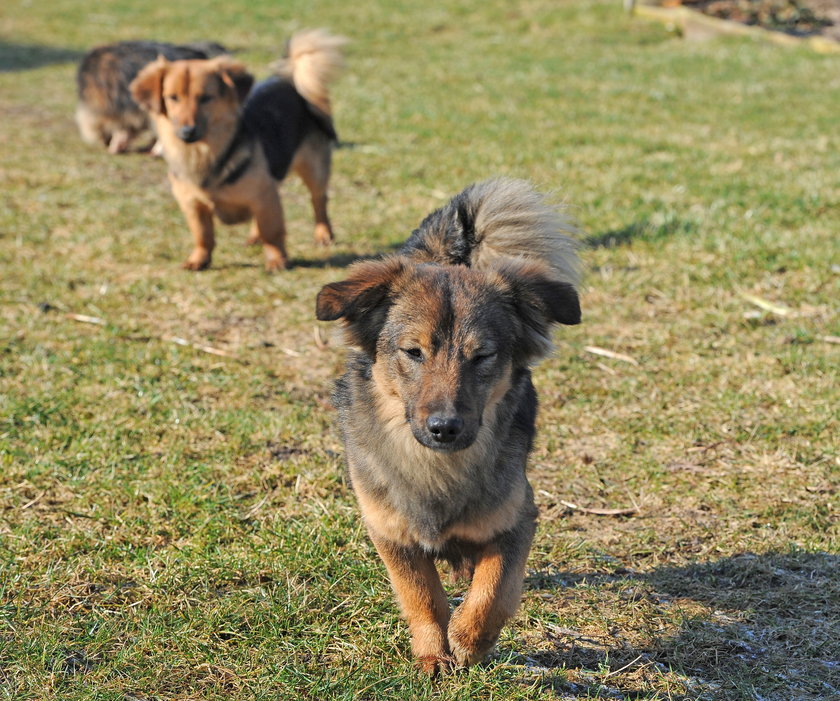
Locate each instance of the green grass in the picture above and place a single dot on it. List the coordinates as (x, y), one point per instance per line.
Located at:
(176, 524)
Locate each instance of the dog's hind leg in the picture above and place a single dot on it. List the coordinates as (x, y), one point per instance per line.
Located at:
(312, 163)
(493, 596)
(422, 599)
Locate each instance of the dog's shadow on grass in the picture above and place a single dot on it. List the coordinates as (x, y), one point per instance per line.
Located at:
(648, 229)
(24, 57)
(743, 627)
(337, 260)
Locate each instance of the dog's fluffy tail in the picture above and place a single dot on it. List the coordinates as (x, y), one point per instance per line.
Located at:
(493, 219)
(313, 59)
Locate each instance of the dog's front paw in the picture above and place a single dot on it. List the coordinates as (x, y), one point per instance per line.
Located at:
(469, 646)
(197, 261)
(433, 665)
(275, 263)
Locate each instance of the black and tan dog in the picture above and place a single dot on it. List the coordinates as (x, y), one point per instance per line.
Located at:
(228, 146)
(437, 407)
(106, 113)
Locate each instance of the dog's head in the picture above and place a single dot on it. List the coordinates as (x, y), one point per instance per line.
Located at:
(446, 341)
(195, 97)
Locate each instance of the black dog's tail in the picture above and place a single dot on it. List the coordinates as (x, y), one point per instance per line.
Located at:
(498, 218)
(313, 60)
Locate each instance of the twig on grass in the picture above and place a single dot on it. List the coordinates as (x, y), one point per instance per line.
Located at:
(198, 346)
(767, 306)
(33, 501)
(829, 339)
(599, 512)
(618, 671)
(597, 350)
(98, 321)
(85, 319)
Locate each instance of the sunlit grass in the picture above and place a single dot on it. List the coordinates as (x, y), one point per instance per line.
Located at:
(176, 524)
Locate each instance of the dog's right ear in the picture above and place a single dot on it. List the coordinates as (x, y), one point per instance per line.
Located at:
(362, 300)
(147, 87)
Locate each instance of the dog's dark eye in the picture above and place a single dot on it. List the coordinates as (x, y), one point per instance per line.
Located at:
(413, 353)
(483, 358)
(172, 98)
(204, 99)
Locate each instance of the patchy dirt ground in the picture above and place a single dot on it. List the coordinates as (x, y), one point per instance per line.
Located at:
(796, 17)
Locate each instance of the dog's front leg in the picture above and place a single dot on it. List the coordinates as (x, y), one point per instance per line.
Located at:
(422, 599)
(199, 218)
(269, 228)
(493, 596)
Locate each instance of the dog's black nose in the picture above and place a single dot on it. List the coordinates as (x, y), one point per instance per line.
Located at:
(188, 134)
(444, 429)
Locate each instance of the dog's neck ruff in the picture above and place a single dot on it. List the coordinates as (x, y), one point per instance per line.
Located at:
(233, 161)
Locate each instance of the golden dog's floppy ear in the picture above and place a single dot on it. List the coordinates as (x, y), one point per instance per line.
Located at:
(234, 75)
(147, 87)
(540, 301)
(362, 300)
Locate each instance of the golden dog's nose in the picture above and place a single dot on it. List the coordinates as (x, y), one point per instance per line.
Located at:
(188, 134)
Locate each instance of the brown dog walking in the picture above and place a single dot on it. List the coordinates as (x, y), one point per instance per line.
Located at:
(437, 407)
(228, 147)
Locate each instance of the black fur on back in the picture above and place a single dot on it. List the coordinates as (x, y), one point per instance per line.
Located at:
(280, 118)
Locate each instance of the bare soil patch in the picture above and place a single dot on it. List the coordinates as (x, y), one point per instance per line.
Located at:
(803, 18)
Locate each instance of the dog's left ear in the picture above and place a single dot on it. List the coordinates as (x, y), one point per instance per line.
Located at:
(362, 300)
(540, 302)
(234, 75)
(147, 87)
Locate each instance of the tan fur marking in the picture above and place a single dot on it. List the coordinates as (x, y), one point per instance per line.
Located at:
(384, 521)
(312, 164)
(492, 599)
(469, 623)
(422, 599)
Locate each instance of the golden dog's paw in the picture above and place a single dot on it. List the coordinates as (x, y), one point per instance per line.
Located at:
(273, 265)
(433, 665)
(196, 263)
(323, 235)
(469, 648)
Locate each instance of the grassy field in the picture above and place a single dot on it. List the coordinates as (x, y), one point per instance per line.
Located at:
(176, 524)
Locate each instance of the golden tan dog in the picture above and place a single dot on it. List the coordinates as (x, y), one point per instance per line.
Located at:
(437, 407)
(228, 146)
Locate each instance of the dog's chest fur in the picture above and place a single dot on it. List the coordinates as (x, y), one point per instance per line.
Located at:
(428, 497)
(188, 162)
